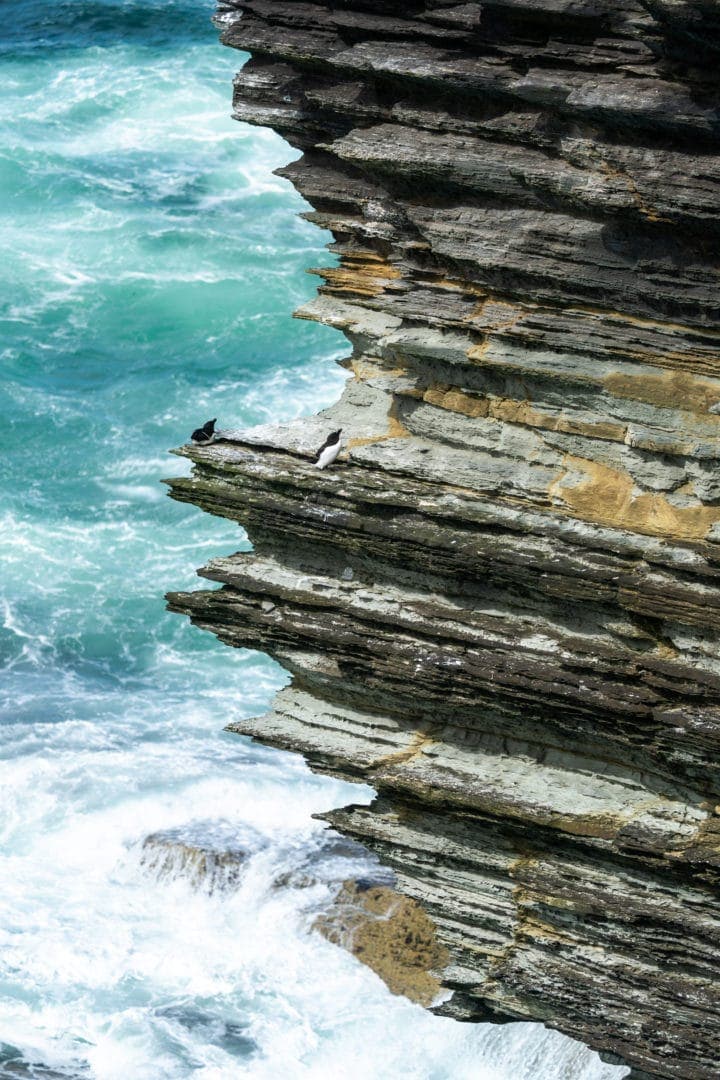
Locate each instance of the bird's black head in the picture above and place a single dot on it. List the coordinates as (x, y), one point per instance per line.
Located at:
(209, 426)
(335, 437)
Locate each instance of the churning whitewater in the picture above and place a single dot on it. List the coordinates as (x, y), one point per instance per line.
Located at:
(151, 262)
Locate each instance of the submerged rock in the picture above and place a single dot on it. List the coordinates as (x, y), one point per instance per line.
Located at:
(13, 1066)
(208, 855)
(228, 1035)
(330, 862)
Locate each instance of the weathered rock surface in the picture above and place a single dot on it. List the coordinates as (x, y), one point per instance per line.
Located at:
(208, 855)
(501, 606)
(389, 933)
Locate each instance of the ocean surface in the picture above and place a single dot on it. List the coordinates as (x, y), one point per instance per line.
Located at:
(150, 263)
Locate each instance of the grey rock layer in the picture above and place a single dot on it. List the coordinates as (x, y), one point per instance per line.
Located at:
(501, 607)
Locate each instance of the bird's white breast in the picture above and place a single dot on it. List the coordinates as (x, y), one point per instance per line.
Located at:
(328, 456)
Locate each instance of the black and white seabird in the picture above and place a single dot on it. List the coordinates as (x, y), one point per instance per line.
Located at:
(206, 433)
(328, 451)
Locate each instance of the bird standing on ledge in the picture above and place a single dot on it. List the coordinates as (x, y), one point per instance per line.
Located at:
(205, 434)
(328, 451)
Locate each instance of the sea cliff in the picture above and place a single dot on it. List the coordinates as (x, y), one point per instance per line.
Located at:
(501, 607)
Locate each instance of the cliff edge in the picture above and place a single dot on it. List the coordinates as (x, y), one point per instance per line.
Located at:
(501, 607)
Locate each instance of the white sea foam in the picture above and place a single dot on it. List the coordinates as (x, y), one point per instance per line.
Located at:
(306, 1008)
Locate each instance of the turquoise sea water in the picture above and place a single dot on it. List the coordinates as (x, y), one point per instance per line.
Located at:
(150, 264)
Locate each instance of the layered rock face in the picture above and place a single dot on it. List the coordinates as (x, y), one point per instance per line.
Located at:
(500, 607)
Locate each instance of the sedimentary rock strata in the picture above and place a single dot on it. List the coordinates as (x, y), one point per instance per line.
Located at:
(501, 606)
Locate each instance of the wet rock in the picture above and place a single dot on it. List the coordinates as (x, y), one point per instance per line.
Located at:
(390, 934)
(329, 862)
(208, 855)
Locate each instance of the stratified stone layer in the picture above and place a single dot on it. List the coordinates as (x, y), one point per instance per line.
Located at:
(501, 606)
